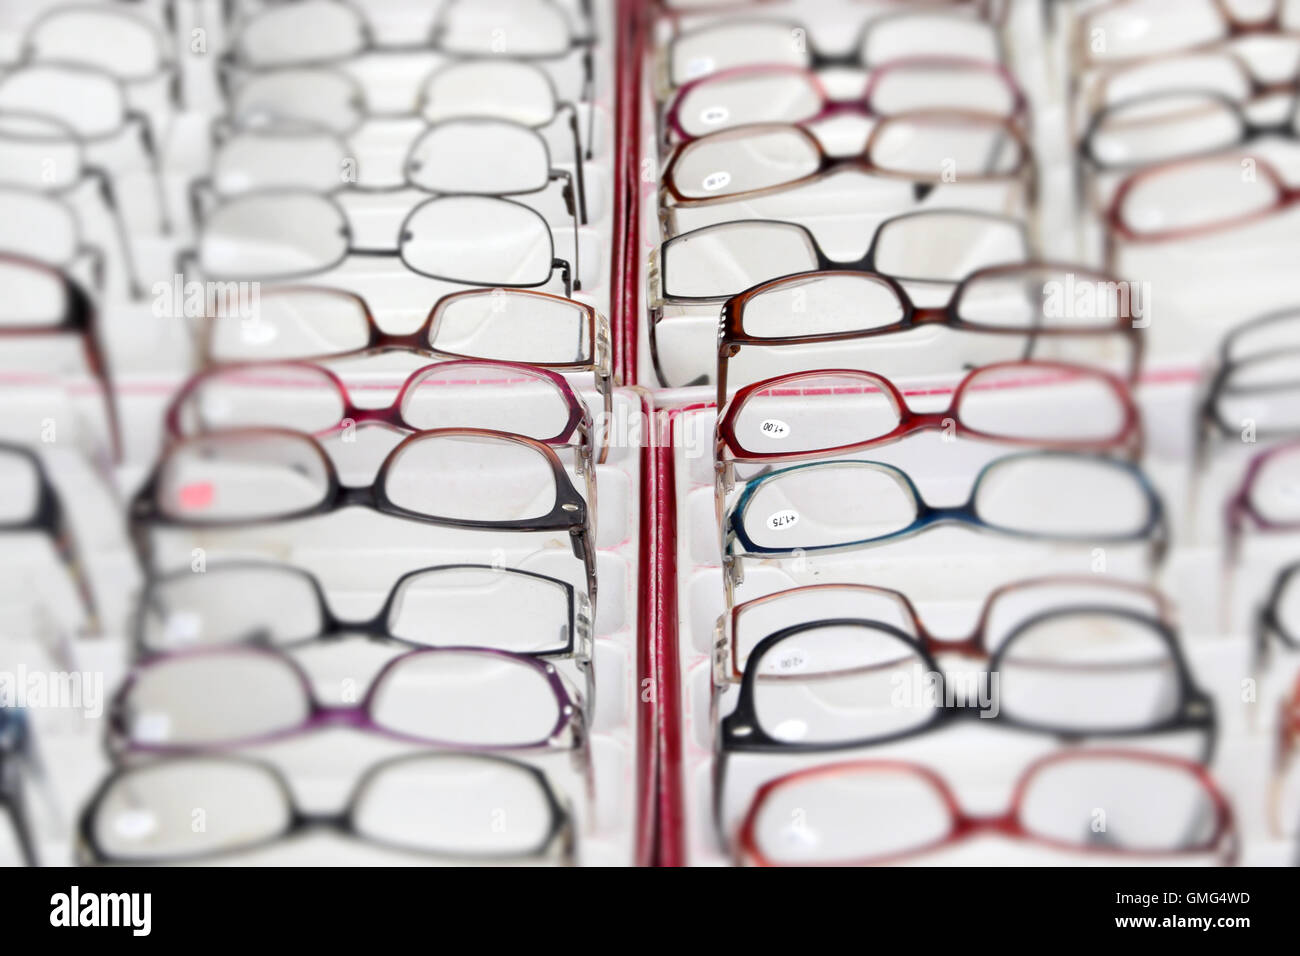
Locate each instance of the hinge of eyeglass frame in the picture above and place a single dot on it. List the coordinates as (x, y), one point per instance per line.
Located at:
(733, 569)
(583, 639)
(720, 651)
(653, 284)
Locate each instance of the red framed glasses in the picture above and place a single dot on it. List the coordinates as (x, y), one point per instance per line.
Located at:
(1121, 807)
(1268, 497)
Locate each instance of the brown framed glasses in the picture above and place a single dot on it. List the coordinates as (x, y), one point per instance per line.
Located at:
(316, 323)
(809, 415)
(1037, 301)
(745, 626)
(304, 397)
(469, 478)
(1159, 810)
(924, 147)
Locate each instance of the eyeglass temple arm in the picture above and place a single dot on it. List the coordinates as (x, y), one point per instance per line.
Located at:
(579, 158)
(109, 195)
(564, 177)
(150, 147)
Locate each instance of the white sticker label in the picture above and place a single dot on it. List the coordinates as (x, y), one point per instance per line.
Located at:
(151, 728)
(713, 115)
(134, 824)
(255, 332)
(699, 66)
(774, 428)
(783, 519)
(715, 181)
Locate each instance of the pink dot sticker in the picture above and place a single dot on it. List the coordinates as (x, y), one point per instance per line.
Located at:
(196, 496)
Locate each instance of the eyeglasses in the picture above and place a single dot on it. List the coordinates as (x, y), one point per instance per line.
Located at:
(39, 153)
(1042, 496)
(17, 753)
(331, 31)
(1150, 206)
(1280, 614)
(474, 240)
(713, 263)
(40, 301)
(282, 606)
(88, 101)
(430, 804)
(1136, 29)
(739, 631)
(118, 42)
(1034, 300)
(1075, 672)
(1256, 386)
(475, 156)
(1283, 810)
(498, 396)
(1159, 809)
(835, 412)
(793, 94)
(45, 228)
(502, 325)
(453, 477)
(1268, 497)
(30, 504)
(927, 147)
(217, 698)
(1168, 126)
(748, 42)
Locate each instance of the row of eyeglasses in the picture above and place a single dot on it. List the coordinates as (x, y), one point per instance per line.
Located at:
(465, 153)
(837, 404)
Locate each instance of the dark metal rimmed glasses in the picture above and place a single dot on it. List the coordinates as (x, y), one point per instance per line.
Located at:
(1160, 810)
(89, 101)
(1036, 301)
(926, 147)
(141, 814)
(942, 28)
(42, 154)
(741, 629)
(1268, 497)
(304, 397)
(281, 234)
(466, 478)
(839, 411)
(40, 301)
(1072, 672)
(243, 696)
(471, 156)
(32, 505)
(279, 605)
(508, 325)
(1047, 496)
(110, 38)
(794, 94)
(1255, 388)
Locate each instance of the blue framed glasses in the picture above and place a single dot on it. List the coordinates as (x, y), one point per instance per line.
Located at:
(1043, 495)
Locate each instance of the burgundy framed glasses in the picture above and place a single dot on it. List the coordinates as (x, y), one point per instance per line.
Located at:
(1159, 810)
(1268, 497)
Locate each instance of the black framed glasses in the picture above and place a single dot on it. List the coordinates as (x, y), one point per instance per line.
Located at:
(1255, 389)
(426, 804)
(250, 477)
(1279, 615)
(276, 605)
(1091, 671)
(471, 240)
(31, 505)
